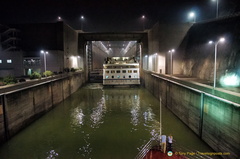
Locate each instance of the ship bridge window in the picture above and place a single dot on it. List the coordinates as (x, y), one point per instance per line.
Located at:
(118, 71)
(135, 71)
(123, 71)
(129, 71)
(113, 71)
(107, 71)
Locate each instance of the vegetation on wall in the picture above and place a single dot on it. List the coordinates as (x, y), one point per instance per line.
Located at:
(35, 75)
(9, 80)
(47, 73)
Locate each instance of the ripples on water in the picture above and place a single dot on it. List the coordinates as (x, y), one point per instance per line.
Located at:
(112, 102)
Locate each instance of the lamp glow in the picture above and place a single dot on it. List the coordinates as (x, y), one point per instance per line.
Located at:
(230, 80)
(191, 14)
(222, 39)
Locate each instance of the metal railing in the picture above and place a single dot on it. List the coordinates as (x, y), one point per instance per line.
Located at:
(143, 152)
(199, 91)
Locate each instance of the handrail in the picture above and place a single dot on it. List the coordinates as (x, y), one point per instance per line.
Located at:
(142, 153)
(196, 90)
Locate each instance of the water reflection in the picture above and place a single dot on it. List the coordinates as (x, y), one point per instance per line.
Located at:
(135, 110)
(85, 150)
(148, 115)
(77, 117)
(93, 120)
(52, 154)
(98, 113)
(135, 115)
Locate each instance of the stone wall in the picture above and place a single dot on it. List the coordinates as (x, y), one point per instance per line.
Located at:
(161, 39)
(219, 124)
(198, 55)
(21, 107)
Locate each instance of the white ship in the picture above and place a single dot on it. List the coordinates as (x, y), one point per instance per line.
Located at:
(121, 71)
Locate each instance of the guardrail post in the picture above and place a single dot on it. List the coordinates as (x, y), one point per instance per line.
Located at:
(5, 121)
(201, 114)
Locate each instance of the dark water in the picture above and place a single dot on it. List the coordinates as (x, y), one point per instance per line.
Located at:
(96, 123)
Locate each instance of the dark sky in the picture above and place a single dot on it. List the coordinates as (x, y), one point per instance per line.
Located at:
(111, 15)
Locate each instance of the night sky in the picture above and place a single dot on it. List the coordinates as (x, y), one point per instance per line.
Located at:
(111, 15)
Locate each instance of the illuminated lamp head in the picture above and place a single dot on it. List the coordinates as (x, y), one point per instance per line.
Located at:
(230, 80)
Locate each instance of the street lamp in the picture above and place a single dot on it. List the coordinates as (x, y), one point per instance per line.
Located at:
(82, 18)
(45, 59)
(216, 7)
(143, 19)
(156, 62)
(171, 52)
(192, 16)
(215, 59)
(146, 56)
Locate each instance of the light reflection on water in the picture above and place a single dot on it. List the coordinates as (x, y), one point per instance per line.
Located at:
(98, 114)
(52, 154)
(98, 124)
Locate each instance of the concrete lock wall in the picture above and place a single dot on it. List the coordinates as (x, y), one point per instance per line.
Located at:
(2, 130)
(19, 108)
(219, 124)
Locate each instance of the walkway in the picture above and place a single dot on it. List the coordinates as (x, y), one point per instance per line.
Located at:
(230, 93)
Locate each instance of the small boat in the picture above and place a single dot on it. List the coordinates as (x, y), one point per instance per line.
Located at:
(155, 152)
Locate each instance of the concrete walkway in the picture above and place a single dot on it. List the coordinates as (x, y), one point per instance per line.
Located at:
(228, 93)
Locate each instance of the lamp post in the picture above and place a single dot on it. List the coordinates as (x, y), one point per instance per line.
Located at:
(216, 7)
(156, 62)
(82, 18)
(146, 56)
(143, 19)
(45, 59)
(215, 59)
(171, 59)
(193, 16)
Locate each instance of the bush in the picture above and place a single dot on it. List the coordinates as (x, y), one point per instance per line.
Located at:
(66, 70)
(1, 83)
(47, 73)
(73, 69)
(9, 80)
(22, 80)
(35, 75)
